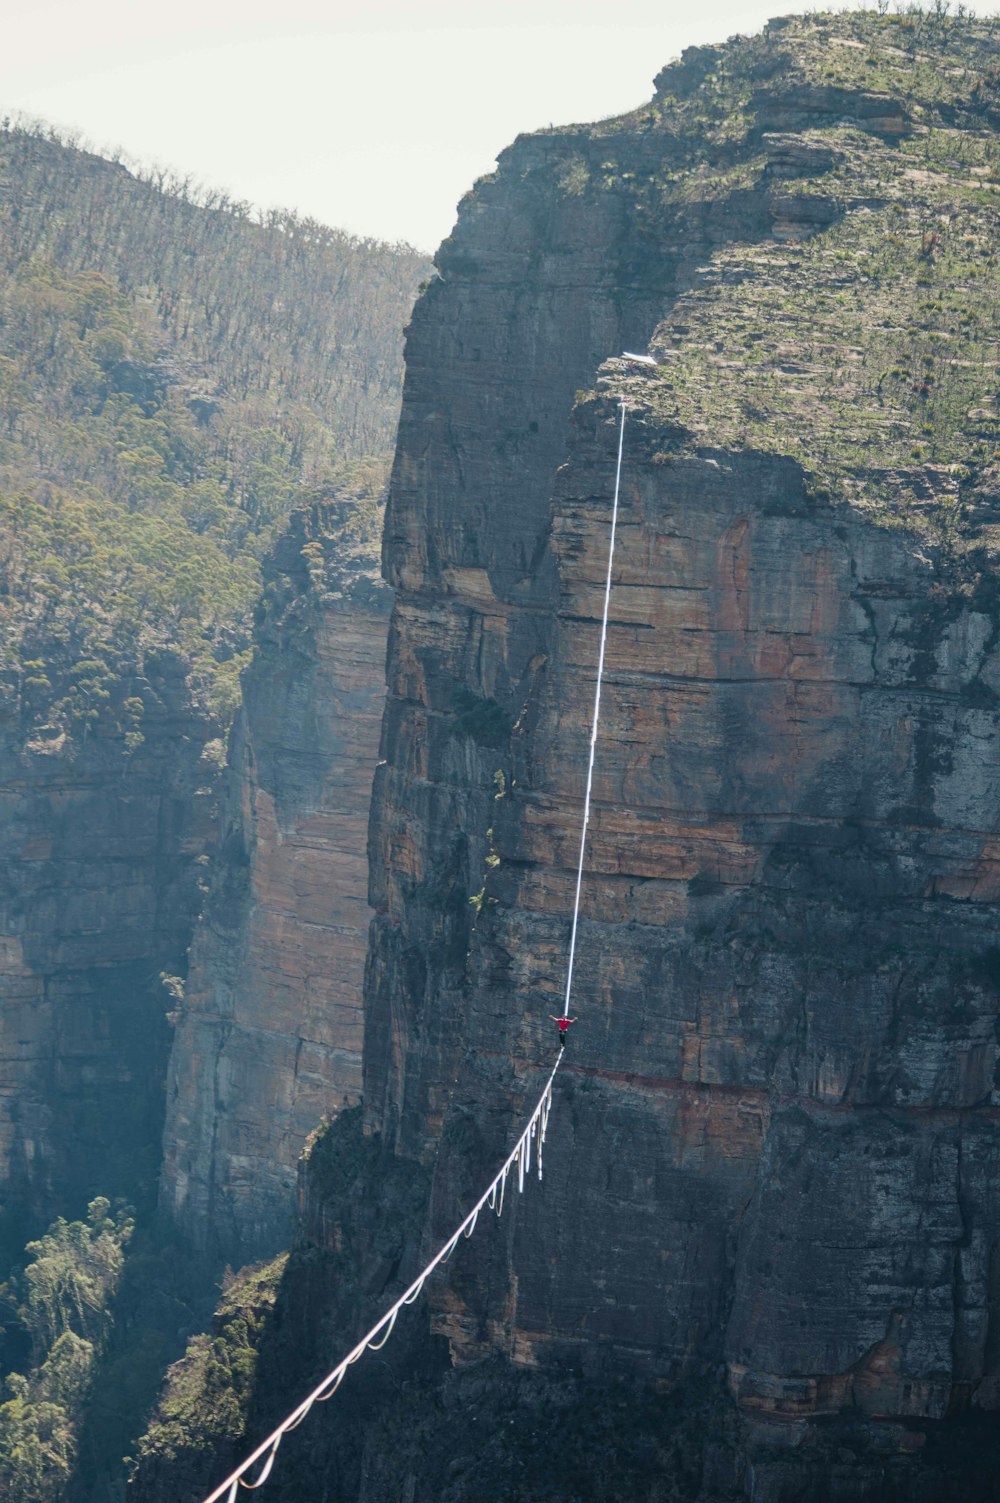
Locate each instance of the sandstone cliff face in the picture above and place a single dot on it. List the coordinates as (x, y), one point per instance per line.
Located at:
(781, 1095)
(785, 1085)
(775, 1137)
(98, 895)
(268, 1043)
(769, 1181)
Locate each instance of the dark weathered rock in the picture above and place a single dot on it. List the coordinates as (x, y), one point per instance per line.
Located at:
(269, 1037)
(769, 1179)
(765, 1130)
(98, 895)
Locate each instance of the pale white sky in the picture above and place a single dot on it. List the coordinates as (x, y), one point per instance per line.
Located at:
(374, 116)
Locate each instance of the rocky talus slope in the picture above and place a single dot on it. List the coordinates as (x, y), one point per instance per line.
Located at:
(763, 1263)
(268, 1040)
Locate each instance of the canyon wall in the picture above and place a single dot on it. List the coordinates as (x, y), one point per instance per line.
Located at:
(768, 1232)
(268, 1040)
(774, 1142)
(98, 896)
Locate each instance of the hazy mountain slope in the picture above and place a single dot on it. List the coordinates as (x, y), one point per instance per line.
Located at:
(174, 376)
(174, 379)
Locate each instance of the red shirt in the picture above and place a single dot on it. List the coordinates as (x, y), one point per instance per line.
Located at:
(564, 1024)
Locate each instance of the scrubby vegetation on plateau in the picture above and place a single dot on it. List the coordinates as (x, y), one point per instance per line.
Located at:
(862, 337)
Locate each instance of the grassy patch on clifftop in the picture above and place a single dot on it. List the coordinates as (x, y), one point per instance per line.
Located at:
(860, 336)
(871, 347)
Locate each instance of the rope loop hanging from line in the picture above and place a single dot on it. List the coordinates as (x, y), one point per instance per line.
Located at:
(520, 1155)
(379, 1334)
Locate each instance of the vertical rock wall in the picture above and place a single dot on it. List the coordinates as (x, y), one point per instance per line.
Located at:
(774, 1140)
(787, 963)
(769, 1179)
(98, 894)
(268, 1041)
(784, 1072)
(538, 283)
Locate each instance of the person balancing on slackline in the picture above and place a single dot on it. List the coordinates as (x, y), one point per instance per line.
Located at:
(563, 1028)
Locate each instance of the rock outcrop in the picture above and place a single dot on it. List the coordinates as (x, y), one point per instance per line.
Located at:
(268, 1040)
(770, 1176)
(776, 1137)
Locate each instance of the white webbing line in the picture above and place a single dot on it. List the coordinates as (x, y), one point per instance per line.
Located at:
(534, 1133)
(596, 720)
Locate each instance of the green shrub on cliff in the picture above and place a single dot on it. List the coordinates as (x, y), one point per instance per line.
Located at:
(207, 1394)
(61, 1308)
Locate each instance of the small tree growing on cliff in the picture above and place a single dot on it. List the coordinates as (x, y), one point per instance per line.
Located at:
(65, 1296)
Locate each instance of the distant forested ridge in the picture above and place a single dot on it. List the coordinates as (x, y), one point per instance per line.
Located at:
(176, 373)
